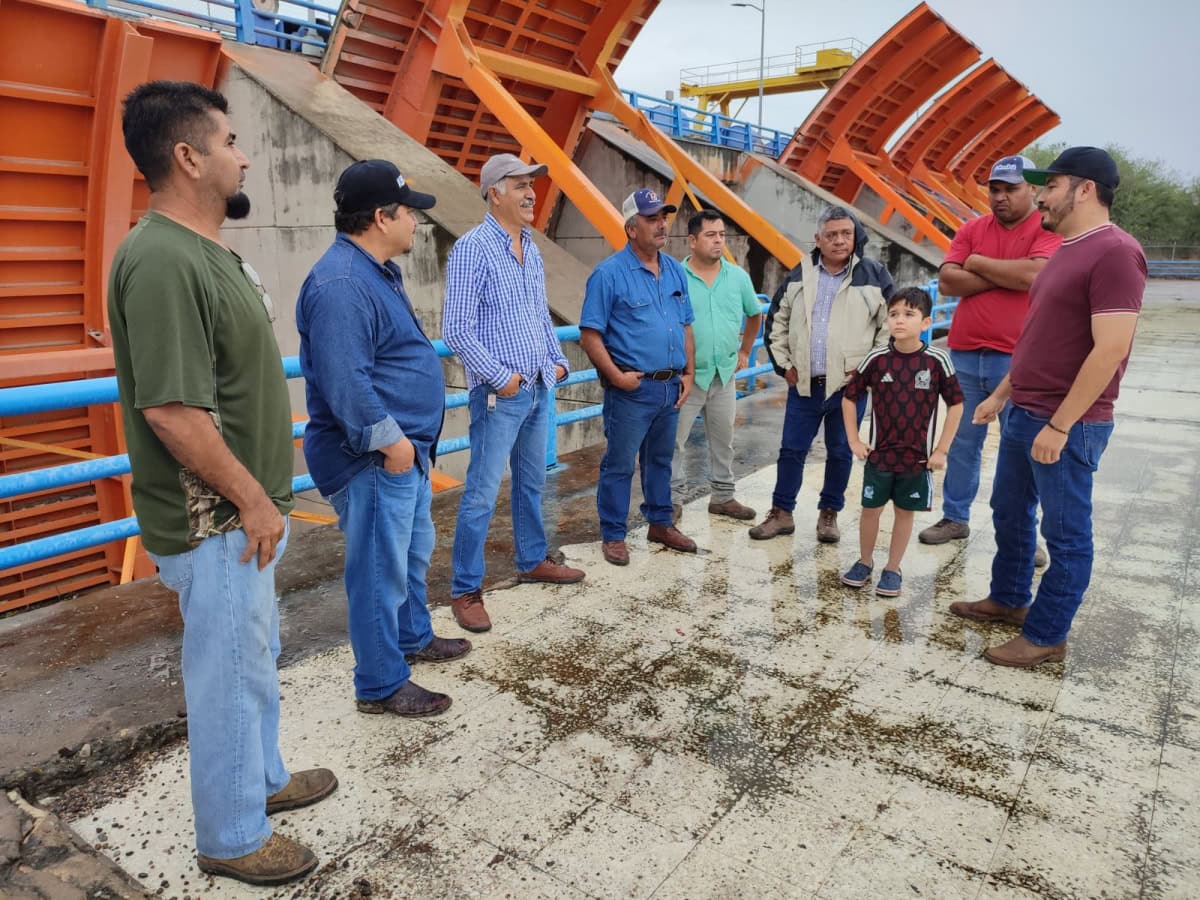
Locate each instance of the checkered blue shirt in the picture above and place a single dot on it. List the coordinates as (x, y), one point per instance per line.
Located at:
(827, 288)
(496, 316)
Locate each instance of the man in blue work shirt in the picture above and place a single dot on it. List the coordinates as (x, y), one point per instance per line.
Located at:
(376, 400)
(723, 299)
(497, 320)
(636, 329)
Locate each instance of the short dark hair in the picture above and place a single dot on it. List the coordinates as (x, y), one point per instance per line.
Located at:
(160, 114)
(696, 222)
(914, 298)
(358, 222)
(1104, 193)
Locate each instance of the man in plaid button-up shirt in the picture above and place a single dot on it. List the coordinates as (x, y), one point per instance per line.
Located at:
(497, 320)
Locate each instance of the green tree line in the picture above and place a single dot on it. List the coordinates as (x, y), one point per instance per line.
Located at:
(1153, 203)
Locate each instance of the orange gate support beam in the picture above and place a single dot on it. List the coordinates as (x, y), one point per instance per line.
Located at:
(481, 70)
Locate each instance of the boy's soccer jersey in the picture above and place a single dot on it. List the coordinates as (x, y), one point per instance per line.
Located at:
(904, 388)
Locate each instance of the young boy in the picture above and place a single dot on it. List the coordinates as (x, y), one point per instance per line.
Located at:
(905, 379)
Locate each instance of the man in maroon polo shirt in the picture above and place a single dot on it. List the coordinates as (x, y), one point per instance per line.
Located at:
(1066, 372)
(991, 264)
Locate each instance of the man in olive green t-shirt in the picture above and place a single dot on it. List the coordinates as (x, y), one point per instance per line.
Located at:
(208, 427)
(722, 295)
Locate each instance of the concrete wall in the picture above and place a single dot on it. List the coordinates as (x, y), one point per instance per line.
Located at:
(296, 155)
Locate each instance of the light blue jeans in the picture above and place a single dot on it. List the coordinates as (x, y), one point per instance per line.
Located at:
(389, 539)
(230, 648)
(979, 373)
(508, 430)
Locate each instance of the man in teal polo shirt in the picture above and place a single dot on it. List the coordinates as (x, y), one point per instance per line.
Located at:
(721, 295)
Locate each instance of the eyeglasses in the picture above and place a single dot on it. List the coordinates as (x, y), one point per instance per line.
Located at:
(262, 291)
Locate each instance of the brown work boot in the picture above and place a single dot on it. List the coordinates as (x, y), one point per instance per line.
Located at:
(304, 789)
(776, 522)
(827, 527)
(410, 700)
(732, 509)
(616, 553)
(1021, 653)
(550, 572)
(943, 531)
(672, 537)
(1041, 558)
(469, 612)
(278, 861)
(988, 610)
(440, 650)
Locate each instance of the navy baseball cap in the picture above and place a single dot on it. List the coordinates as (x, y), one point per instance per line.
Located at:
(1091, 163)
(1011, 169)
(644, 202)
(371, 183)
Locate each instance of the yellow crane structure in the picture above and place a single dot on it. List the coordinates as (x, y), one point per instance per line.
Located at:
(810, 67)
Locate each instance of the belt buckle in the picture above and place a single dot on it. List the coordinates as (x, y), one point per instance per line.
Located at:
(663, 375)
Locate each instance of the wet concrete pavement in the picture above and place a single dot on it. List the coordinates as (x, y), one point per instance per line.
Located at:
(738, 724)
(100, 668)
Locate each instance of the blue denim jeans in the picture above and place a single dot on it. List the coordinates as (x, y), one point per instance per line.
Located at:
(389, 539)
(979, 373)
(231, 686)
(1064, 490)
(511, 430)
(801, 421)
(639, 426)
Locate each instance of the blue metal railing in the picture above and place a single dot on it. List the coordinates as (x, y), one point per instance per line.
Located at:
(1173, 268)
(942, 312)
(689, 123)
(239, 20)
(39, 398)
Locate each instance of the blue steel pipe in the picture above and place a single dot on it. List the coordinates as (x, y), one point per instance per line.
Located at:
(85, 538)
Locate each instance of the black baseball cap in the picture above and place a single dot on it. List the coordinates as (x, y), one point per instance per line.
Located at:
(371, 183)
(1091, 163)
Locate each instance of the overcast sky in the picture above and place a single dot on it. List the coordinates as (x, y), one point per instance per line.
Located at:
(1125, 73)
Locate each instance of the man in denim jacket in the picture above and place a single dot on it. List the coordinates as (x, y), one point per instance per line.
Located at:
(376, 400)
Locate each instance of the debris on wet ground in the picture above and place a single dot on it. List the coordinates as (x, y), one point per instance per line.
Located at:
(741, 724)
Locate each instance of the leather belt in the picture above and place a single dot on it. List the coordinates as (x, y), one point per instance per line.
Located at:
(818, 379)
(660, 375)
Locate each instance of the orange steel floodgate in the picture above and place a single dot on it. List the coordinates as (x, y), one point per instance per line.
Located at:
(470, 78)
(933, 175)
(68, 194)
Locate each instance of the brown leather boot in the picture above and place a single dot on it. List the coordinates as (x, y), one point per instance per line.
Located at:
(672, 537)
(827, 527)
(732, 509)
(304, 789)
(409, 700)
(278, 861)
(945, 530)
(469, 612)
(440, 650)
(616, 553)
(550, 572)
(777, 522)
(988, 610)
(1021, 653)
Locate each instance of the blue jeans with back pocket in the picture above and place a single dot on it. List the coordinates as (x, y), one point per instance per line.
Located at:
(1064, 490)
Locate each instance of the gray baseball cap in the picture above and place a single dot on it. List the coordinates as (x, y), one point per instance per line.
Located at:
(1011, 169)
(505, 165)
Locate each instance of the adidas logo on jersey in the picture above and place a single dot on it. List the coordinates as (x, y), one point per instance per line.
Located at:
(887, 378)
(915, 495)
